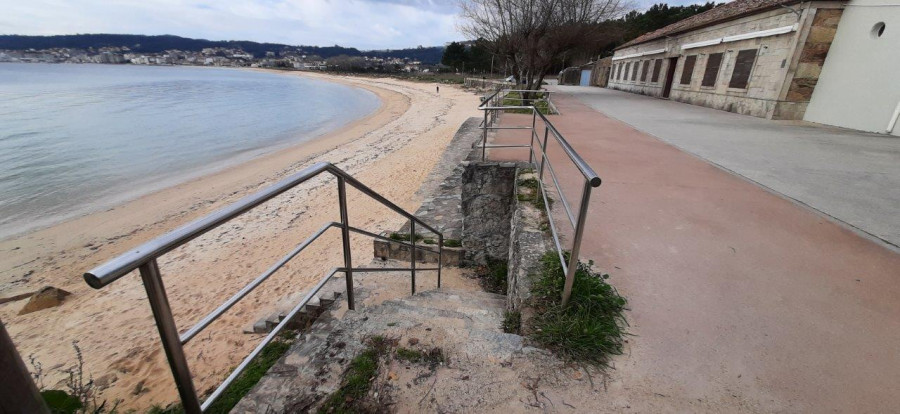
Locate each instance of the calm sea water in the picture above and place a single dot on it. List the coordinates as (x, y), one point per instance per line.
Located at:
(77, 138)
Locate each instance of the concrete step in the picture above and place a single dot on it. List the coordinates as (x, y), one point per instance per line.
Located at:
(302, 319)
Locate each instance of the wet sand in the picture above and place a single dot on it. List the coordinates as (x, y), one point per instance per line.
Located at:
(392, 151)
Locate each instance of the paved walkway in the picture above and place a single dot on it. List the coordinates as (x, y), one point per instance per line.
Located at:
(852, 176)
(741, 300)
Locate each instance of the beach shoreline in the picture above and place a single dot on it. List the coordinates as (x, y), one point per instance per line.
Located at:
(392, 150)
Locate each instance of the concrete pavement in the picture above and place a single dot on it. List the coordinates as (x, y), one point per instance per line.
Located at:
(741, 300)
(851, 176)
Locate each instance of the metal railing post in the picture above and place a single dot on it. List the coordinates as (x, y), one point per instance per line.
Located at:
(440, 257)
(484, 131)
(533, 133)
(544, 152)
(412, 253)
(345, 239)
(19, 393)
(576, 245)
(168, 333)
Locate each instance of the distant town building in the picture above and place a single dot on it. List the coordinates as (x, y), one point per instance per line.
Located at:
(767, 58)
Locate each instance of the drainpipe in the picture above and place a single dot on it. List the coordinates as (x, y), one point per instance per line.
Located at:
(893, 122)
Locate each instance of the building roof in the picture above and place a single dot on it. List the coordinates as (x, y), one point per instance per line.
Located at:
(727, 11)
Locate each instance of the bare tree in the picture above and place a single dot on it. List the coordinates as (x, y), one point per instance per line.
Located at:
(531, 35)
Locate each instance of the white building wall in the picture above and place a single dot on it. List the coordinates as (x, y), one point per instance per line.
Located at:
(859, 86)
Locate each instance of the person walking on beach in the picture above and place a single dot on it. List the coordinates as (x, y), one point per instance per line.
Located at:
(437, 89)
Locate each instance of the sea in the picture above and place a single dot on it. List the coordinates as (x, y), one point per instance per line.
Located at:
(80, 138)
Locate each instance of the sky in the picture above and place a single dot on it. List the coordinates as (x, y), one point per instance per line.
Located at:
(364, 24)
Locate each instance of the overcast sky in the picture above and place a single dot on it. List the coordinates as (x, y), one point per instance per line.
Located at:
(364, 24)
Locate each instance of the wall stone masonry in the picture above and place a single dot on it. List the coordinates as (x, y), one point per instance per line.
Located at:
(487, 205)
(528, 243)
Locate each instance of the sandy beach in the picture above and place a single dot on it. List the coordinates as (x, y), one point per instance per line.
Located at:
(391, 150)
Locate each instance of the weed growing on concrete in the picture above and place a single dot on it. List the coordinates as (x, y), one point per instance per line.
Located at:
(403, 237)
(512, 322)
(432, 357)
(591, 327)
(270, 354)
(358, 379)
(533, 185)
(452, 243)
(493, 275)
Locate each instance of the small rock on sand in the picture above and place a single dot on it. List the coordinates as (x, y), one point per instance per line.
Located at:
(47, 297)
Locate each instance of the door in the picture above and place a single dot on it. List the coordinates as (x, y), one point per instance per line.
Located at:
(670, 77)
(585, 78)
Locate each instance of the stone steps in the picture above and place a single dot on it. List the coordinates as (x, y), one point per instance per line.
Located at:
(466, 325)
(302, 320)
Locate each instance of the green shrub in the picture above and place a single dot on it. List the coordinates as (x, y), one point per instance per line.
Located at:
(591, 327)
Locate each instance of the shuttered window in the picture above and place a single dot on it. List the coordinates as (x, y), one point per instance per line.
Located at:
(713, 63)
(657, 66)
(644, 71)
(618, 71)
(627, 70)
(742, 68)
(634, 71)
(687, 72)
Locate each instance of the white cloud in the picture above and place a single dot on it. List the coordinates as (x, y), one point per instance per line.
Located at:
(365, 24)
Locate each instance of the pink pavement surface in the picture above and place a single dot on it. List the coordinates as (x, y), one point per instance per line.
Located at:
(740, 299)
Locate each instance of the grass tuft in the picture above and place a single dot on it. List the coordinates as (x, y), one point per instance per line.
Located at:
(493, 275)
(452, 243)
(512, 322)
(270, 354)
(432, 357)
(591, 327)
(403, 237)
(358, 379)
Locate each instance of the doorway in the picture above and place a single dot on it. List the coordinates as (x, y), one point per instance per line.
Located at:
(670, 77)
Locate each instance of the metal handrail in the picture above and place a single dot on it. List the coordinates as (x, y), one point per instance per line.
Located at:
(144, 258)
(493, 106)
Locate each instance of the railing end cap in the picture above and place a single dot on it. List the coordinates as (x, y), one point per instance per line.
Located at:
(595, 182)
(93, 281)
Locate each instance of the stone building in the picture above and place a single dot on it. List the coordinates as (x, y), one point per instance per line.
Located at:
(753, 57)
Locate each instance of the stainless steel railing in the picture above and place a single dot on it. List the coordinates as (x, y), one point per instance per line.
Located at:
(493, 106)
(144, 258)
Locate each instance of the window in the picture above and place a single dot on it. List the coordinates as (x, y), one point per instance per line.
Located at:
(634, 70)
(742, 68)
(713, 62)
(618, 71)
(687, 72)
(627, 70)
(644, 71)
(657, 66)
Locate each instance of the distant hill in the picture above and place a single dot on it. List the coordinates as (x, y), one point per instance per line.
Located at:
(156, 44)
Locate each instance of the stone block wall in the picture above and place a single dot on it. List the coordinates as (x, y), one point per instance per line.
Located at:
(809, 64)
(487, 206)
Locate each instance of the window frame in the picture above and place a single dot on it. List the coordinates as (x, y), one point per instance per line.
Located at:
(749, 71)
(657, 68)
(715, 75)
(690, 78)
(645, 68)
